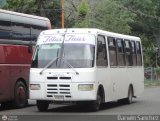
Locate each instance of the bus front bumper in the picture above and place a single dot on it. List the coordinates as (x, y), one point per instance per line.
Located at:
(63, 91)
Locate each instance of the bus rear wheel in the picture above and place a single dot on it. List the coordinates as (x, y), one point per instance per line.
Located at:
(42, 105)
(129, 99)
(20, 95)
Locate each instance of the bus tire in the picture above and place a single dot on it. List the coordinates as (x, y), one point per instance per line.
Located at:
(20, 95)
(42, 105)
(95, 105)
(129, 99)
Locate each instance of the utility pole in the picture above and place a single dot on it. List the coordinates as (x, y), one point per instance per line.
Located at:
(62, 4)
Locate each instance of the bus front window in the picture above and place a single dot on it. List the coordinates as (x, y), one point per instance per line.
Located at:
(44, 54)
(76, 54)
(79, 55)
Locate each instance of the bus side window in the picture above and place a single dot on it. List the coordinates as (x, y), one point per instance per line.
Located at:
(112, 51)
(134, 57)
(101, 51)
(5, 26)
(127, 45)
(20, 30)
(139, 55)
(120, 52)
(35, 29)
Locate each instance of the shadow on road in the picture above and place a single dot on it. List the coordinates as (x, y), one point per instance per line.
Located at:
(83, 109)
(11, 107)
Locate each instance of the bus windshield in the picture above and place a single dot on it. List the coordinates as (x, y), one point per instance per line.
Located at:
(79, 55)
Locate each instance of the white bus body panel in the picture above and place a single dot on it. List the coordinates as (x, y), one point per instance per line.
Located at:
(117, 81)
(68, 88)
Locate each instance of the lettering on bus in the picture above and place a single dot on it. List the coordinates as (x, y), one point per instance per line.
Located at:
(68, 38)
(74, 38)
(52, 39)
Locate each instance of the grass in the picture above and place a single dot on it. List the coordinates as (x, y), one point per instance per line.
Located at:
(152, 82)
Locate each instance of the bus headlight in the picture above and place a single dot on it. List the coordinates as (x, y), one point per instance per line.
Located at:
(35, 86)
(85, 87)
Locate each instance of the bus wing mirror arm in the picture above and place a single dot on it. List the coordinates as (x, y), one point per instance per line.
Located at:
(30, 48)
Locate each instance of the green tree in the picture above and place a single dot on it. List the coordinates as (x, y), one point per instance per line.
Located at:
(19, 5)
(82, 12)
(109, 16)
(70, 9)
(2, 3)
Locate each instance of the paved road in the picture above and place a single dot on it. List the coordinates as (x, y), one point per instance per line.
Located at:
(147, 104)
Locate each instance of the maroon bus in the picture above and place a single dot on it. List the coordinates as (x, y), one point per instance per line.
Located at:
(18, 34)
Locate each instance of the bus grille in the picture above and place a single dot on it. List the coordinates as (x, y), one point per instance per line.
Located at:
(60, 78)
(58, 89)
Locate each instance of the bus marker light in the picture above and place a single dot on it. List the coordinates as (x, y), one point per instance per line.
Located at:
(85, 87)
(35, 86)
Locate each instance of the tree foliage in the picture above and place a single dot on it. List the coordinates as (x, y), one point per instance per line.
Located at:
(82, 12)
(83, 9)
(2, 3)
(108, 16)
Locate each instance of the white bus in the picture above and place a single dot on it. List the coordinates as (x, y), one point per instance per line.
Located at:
(86, 66)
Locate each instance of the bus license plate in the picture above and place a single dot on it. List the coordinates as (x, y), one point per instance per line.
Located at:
(59, 97)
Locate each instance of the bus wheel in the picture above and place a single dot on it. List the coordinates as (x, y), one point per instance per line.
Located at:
(129, 99)
(42, 105)
(95, 105)
(20, 95)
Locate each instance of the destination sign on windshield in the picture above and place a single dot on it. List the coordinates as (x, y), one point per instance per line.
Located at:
(68, 38)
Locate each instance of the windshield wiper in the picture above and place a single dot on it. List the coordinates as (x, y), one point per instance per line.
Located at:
(54, 60)
(49, 64)
(69, 65)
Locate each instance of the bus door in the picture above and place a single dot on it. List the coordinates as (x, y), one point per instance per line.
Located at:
(112, 64)
(102, 65)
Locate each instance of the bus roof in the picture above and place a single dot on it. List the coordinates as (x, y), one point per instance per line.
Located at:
(22, 14)
(93, 31)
